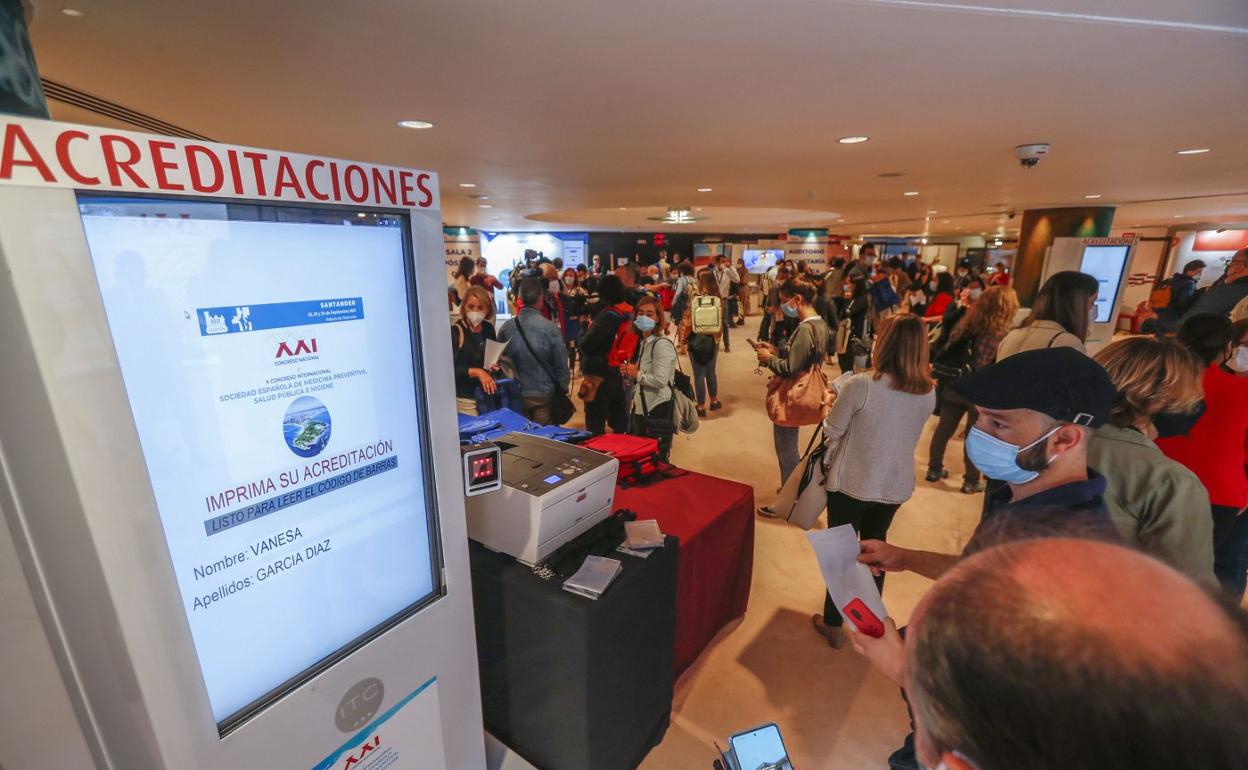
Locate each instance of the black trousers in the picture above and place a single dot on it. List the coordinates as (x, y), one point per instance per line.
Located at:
(608, 407)
(870, 520)
(951, 409)
(1230, 549)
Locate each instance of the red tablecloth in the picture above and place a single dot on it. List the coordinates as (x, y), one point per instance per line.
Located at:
(714, 520)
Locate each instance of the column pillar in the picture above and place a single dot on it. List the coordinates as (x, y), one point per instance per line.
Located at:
(1036, 234)
(21, 93)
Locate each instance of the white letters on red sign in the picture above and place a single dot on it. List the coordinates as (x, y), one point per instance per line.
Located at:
(45, 153)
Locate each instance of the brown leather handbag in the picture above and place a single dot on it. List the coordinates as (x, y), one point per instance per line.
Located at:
(802, 399)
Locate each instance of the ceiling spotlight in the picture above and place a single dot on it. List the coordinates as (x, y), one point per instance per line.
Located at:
(415, 124)
(853, 139)
(931, 211)
(361, 215)
(623, 208)
(467, 184)
(944, 221)
(704, 189)
(911, 193)
(1094, 196)
(842, 219)
(1178, 216)
(1193, 151)
(74, 12)
(484, 206)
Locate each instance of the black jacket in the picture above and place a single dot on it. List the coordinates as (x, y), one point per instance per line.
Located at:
(1219, 299)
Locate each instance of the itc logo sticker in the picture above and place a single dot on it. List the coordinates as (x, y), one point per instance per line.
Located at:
(301, 348)
(360, 704)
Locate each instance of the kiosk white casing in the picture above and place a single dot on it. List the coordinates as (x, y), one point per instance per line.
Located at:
(1106, 259)
(99, 664)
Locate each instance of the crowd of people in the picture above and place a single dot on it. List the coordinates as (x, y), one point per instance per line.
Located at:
(1103, 580)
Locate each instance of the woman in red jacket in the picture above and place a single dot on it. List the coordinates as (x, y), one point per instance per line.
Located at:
(1215, 448)
(941, 298)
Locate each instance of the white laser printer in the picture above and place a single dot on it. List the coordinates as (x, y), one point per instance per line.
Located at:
(552, 492)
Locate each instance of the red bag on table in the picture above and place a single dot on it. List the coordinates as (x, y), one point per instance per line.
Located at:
(638, 456)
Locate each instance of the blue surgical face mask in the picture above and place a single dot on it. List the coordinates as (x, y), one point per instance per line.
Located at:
(998, 459)
(644, 323)
(788, 310)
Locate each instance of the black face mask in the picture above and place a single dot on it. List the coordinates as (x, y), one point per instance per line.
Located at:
(1170, 424)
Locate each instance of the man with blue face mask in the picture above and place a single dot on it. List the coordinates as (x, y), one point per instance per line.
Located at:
(1037, 412)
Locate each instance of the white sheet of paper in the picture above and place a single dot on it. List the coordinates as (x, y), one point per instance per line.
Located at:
(837, 552)
(493, 349)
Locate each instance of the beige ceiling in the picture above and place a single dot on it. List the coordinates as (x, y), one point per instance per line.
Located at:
(557, 109)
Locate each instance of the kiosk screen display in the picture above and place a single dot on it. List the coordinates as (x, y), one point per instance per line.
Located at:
(759, 261)
(268, 357)
(1105, 263)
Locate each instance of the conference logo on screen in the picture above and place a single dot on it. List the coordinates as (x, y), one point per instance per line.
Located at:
(306, 426)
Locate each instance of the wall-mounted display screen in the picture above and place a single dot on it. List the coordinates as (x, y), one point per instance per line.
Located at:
(759, 261)
(268, 357)
(1106, 264)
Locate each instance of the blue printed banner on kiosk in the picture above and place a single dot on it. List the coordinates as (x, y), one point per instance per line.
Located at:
(233, 319)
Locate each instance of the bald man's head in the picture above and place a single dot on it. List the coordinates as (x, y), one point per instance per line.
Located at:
(1062, 653)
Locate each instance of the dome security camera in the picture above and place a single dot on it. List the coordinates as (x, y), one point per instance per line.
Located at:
(1030, 154)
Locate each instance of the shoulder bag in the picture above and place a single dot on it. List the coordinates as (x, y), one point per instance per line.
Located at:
(561, 407)
(802, 398)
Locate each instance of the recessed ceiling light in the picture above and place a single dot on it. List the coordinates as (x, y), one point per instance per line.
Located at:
(481, 197)
(842, 219)
(415, 124)
(1093, 196)
(485, 206)
(1193, 151)
(361, 215)
(910, 193)
(623, 208)
(853, 139)
(1178, 216)
(704, 189)
(931, 211)
(74, 12)
(944, 221)
(467, 184)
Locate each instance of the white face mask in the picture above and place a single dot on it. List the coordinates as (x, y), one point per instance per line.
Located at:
(1239, 359)
(569, 280)
(475, 317)
(1092, 314)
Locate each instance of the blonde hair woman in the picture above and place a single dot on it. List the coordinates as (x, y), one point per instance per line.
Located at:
(468, 336)
(871, 433)
(972, 345)
(1155, 502)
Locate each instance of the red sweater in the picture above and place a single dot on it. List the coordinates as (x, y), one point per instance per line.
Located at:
(1217, 448)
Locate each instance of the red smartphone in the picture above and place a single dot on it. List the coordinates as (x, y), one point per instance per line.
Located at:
(864, 619)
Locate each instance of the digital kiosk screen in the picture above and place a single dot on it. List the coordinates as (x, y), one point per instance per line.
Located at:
(267, 354)
(1105, 263)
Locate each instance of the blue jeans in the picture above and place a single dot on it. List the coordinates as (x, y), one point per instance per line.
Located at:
(704, 377)
(786, 450)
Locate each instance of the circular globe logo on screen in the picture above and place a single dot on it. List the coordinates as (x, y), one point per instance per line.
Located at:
(306, 427)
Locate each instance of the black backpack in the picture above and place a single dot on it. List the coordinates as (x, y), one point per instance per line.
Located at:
(956, 359)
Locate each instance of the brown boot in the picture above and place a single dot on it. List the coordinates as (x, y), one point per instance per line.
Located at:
(834, 634)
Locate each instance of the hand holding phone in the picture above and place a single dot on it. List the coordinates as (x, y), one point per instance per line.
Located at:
(760, 749)
(864, 619)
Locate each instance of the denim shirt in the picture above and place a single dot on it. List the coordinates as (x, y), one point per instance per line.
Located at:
(547, 342)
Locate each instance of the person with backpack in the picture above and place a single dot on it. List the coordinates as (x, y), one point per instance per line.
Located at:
(468, 336)
(681, 286)
(652, 371)
(1226, 292)
(606, 344)
(536, 349)
(704, 352)
(972, 345)
(805, 350)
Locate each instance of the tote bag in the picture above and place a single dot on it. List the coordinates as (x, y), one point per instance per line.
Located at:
(802, 498)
